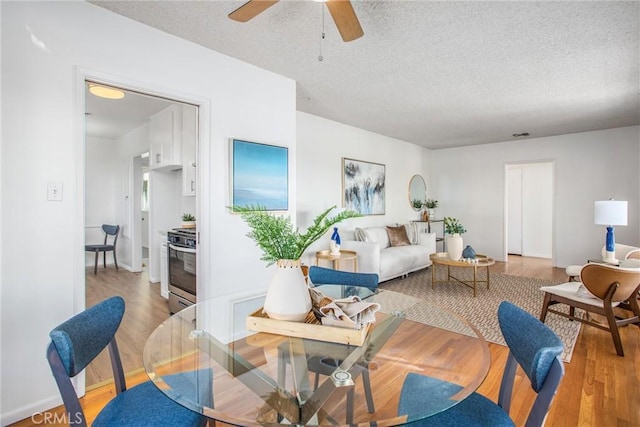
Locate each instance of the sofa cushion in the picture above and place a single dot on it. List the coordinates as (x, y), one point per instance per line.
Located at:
(379, 234)
(362, 235)
(398, 236)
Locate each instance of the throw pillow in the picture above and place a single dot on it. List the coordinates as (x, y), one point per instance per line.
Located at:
(398, 236)
(362, 235)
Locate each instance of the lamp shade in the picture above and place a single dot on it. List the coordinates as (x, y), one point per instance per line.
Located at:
(610, 212)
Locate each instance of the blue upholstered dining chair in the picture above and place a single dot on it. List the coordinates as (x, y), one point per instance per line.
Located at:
(532, 345)
(326, 365)
(76, 342)
(110, 232)
(328, 276)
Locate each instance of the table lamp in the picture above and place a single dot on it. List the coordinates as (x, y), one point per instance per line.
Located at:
(610, 213)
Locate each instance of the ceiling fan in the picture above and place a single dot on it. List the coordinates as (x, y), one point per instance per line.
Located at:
(341, 11)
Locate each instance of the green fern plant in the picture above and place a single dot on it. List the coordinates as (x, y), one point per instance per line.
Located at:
(277, 238)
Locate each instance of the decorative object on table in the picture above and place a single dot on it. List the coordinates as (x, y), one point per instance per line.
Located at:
(259, 175)
(468, 252)
(363, 187)
(431, 205)
(188, 221)
(334, 244)
(424, 215)
(350, 312)
(610, 212)
(454, 230)
(288, 295)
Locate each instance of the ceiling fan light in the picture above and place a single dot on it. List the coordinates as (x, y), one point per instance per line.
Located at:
(105, 92)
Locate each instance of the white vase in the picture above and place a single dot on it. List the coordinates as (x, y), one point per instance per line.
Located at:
(454, 246)
(288, 295)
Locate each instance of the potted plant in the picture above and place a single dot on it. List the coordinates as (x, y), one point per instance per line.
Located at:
(417, 204)
(188, 221)
(281, 244)
(431, 204)
(454, 231)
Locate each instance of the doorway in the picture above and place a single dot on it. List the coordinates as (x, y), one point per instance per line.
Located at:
(529, 209)
(119, 189)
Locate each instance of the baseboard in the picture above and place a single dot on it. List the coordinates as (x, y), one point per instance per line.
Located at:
(33, 410)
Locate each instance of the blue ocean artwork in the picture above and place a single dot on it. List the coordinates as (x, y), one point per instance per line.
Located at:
(260, 175)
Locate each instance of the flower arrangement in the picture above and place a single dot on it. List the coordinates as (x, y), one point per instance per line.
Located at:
(417, 204)
(431, 203)
(277, 238)
(188, 217)
(453, 226)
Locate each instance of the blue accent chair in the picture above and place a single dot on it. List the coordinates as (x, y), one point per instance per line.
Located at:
(76, 342)
(532, 345)
(326, 365)
(109, 231)
(328, 276)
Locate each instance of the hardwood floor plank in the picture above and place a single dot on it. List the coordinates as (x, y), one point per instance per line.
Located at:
(599, 387)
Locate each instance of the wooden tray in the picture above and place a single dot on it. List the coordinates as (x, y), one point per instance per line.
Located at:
(260, 322)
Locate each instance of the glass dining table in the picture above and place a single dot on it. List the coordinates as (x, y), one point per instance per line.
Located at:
(249, 378)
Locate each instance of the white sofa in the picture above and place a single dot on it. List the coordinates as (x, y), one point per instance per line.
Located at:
(376, 255)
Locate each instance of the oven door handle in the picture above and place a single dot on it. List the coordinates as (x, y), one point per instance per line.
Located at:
(181, 249)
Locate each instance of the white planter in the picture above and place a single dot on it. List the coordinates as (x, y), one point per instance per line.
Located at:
(454, 246)
(288, 295)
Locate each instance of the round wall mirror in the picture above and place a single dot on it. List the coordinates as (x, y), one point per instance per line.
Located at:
(417, 191)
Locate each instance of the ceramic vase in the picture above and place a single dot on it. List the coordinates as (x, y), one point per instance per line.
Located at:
(288, 295)
(468, 252)
(454, 246)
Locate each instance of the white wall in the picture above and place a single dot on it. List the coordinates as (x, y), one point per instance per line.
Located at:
(46, 48)
(100, 195)
(469, 182)
(321, 145)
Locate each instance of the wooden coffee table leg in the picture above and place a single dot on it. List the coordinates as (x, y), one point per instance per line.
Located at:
(475, 271)
(433, 275)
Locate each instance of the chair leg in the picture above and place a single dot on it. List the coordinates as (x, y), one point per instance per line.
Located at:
(114, 259)
(104, 259)
(613, 328)
(366, 382)
(95, 267)
(545, 306)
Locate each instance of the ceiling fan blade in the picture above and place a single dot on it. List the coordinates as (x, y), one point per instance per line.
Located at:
(251, 9)
(345, 18)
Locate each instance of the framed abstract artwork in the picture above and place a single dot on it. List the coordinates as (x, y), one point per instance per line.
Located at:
(363, 187)
(259, 175)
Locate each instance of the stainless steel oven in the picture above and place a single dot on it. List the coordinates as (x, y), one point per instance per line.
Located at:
(181, 251)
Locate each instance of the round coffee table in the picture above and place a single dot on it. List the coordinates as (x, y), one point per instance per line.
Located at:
(442, 258)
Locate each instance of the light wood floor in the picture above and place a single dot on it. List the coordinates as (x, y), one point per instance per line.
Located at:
(145, 309)
(599, 387)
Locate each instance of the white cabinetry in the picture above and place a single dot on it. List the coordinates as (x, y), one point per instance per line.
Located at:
(165, 138)
(189, 138)
(164, 270)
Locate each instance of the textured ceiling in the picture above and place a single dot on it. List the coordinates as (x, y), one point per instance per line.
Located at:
(436, 73)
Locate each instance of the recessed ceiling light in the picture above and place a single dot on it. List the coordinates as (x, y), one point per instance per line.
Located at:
(105, 91)
(519, 135)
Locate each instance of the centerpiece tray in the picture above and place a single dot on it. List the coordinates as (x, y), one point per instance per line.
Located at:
(260, 322)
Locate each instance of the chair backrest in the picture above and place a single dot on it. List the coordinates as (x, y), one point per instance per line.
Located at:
(633, 254)
(537, 350)
(76, 342)
(328, 276)
(111, 230)
(598, 278)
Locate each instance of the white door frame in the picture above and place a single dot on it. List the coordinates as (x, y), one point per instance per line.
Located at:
(505, 234)
(202, 173)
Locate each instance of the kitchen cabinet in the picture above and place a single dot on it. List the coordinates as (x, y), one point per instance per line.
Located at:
(165, 139)
(189, 138)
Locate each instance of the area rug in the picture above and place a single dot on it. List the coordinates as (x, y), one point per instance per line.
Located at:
(481, 311)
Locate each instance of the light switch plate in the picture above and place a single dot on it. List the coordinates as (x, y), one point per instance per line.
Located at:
(54, 191)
